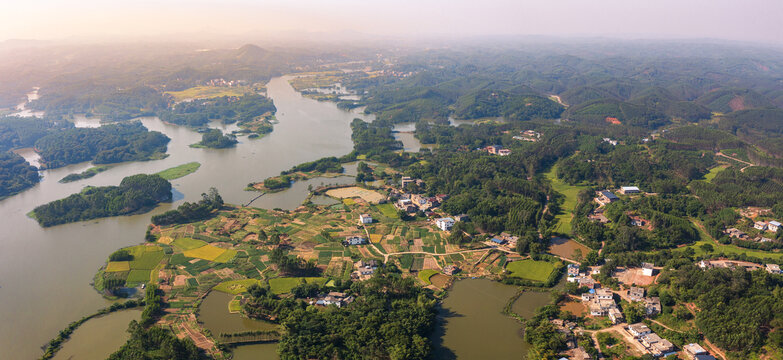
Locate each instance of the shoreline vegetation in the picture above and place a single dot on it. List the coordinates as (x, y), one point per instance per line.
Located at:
(328, 167)
(179, 171)
(95, 170)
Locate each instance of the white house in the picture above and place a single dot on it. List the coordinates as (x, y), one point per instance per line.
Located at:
(365, 219)
(647, 269)
(354, 240)
(638, 330)
(629, 190)
(773, 226)
(444, 224)
(604, 294)
(760, 225)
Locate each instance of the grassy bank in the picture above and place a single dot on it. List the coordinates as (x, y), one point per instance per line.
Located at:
(95, 170)
(179, 171)
(570, 193)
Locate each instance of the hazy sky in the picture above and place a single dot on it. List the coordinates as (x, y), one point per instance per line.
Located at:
(745, 20)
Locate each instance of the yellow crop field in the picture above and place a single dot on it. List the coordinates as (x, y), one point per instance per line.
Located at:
(165, 240)
(117, 266)
(207, 252)
(226, 256)
(375, 238)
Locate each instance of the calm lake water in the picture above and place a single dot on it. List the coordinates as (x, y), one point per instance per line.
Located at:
(45, 274)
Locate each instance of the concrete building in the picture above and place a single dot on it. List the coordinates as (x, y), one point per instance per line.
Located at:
(444, 224)
(648, 269)
(365, 219)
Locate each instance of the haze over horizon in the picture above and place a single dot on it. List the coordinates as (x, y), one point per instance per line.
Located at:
(747, 21)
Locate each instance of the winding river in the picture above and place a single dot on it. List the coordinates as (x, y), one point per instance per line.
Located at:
(45, 274)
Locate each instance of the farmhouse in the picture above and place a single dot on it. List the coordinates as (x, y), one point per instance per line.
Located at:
(354, 240)
(462, 217)
(604, 294)
(636, 293)
(652, 305)
(573, 270)
(504, 152)
(638, 330)
(773, 268)
(498, 241)
(736, 233)
(693, 350)
(625, 190)
(334, 298)
(657, 345)
(493, 149)
(365, 219)
(606, 197)
(773, 226)
(405, 181)
(444, 224)
(760, 225)
(450, 269)
(587, 282)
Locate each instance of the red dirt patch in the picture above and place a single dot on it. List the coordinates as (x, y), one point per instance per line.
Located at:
(737, 103)
(574, 307)
(613, 120)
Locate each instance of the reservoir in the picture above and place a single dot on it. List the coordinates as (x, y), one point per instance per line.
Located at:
(45, 273)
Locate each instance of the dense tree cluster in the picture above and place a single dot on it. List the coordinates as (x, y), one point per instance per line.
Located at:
(108, 103)
(323, 165)
(391, 318)
(740, 311)
(104, 145)
(19, 132)
(653, 166)
(755, 186)
(293, 265)
(156, 343)
(190, 212)
(509, 105)
(373, 139)
(215, 139)
(228, 109)
(134, 194)
(15, 174)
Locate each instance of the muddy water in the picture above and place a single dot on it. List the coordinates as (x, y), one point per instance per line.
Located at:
(213, 312)
(99, 337)
(266, 351)
(37, 264)
(471, 325)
